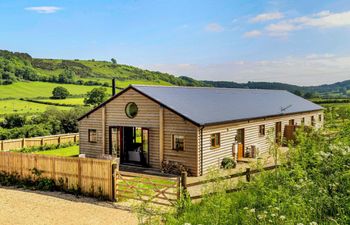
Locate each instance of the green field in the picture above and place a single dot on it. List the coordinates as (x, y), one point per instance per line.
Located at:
(39, 89)
(21, 107)
(69, 151)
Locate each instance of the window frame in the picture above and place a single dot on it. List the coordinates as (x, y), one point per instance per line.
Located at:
(313, 121)
(320, 117)
(262, 128)
(217, 138)
(173, 142)
(89, 135)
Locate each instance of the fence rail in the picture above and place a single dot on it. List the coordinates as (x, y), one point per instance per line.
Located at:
(93, 176)
(247, 175)
(13, 144)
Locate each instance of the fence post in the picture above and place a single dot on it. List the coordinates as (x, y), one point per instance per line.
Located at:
(23, 142)
(247, 174)
(42, 141)
(114, 182)
(1, 145)
(59, 140)
(184, 180)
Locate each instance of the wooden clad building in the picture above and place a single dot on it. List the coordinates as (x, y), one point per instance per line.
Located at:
(195, 127)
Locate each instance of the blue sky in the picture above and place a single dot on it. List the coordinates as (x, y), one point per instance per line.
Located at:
(301, 42)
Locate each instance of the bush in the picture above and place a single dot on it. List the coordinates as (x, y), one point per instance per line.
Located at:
(60, 93)
(228, 163)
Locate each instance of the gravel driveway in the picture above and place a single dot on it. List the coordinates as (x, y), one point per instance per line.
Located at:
(22, 207)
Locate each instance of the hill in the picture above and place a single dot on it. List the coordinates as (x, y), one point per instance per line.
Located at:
(16, 67)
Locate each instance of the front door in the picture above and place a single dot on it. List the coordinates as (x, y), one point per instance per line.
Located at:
(278, 132)
(240, 141)
(130, 144)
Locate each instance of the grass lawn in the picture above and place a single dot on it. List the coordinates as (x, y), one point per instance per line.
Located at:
(69, 151)
(40, 89)
(21, 107)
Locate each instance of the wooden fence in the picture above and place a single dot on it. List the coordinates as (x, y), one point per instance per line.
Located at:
(160, 190)
(12, 144)
(93, 176)
(247, 174)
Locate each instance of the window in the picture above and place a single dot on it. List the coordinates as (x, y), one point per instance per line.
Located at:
(215, 140)
(131, 110)
(178, 142)
(302, 121)
(92, 135)
(320, 117)
(313, 121)
(262, 130)
(291, 122)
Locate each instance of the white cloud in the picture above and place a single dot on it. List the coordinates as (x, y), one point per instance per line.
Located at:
(213, 27)
(266, 17)
(253, 33)
(323, 19)
(44, 9)
(312, 69)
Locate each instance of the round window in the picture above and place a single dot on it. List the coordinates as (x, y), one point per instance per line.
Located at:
(131, 109)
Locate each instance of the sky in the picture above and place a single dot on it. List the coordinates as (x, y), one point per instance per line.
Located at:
(298, 42)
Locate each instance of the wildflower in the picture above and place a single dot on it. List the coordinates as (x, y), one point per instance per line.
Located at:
(261, 216)
(300, 224)
(313, 223)
(273, 215)
(265, 212)
(270, 221)
(245, 208)
(282, 217)
(252, 210)
(187, 224)
(277, 208)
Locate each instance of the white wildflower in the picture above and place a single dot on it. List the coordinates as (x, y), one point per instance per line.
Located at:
(245, 208)
(300, 224)
(273, 215)
(282, 217)
(313, 223)
(187, 224)
(252, 210)
(277, 208)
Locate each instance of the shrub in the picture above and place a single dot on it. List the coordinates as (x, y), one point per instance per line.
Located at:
(172, 167)
(60, 93)
(228, 163)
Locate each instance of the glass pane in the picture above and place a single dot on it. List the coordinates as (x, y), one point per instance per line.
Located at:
(115, 139)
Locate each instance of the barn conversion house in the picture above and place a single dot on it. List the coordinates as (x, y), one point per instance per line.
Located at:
(194, 126)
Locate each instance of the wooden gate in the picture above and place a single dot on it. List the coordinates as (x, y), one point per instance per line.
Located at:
(147, 188)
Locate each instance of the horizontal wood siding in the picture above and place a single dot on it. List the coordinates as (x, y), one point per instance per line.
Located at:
(93, 121)
(147, 117)
(212, 157)
(176, 125)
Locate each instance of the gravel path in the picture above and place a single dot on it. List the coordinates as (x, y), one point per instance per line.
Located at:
(21, 207)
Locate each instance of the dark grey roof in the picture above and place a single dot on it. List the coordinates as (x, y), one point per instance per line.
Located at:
(216, 105)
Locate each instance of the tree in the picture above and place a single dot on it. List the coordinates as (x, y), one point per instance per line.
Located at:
(308, 95)
(14, 120)
(60, 93)
(67, 77)
(114, 61)
(297, 92)
(96, 96)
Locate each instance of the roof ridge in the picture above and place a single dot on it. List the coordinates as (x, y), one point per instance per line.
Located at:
(196, 87)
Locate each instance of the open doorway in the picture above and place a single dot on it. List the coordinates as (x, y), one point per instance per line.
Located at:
(130, 144)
